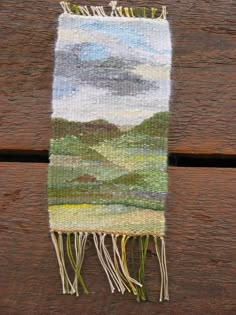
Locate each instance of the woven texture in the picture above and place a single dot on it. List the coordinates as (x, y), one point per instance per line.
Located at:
(108, 152)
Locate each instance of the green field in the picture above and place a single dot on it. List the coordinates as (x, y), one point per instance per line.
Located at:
(126, 168)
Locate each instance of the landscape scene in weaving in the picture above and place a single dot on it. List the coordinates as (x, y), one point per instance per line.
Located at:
(110, 116)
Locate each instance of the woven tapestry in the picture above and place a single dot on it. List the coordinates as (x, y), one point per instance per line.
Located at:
(107, 176)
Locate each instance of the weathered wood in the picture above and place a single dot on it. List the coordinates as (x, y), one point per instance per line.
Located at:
(201, 249)
(201, 227)
(203, 76)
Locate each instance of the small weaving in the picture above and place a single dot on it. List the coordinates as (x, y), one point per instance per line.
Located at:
(107, 176)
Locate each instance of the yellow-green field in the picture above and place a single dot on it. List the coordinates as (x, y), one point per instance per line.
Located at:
(110, 218)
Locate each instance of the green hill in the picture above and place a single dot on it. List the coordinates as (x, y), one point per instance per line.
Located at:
(135, 139)
(91, 132)
(156, 126)
(71, 145)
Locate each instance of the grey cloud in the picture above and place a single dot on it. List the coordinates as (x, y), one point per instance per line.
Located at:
(111, 73)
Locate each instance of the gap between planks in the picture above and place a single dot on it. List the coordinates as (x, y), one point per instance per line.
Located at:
(174, 159)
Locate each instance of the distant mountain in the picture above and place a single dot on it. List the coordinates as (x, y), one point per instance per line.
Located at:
(157, 125)
(91, 132)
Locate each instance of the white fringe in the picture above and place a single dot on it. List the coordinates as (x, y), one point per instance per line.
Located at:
(61, 269)
(117, 273)
(99, 252)
(163, 13)
(117, 11)
(161, 255)
(85, 11)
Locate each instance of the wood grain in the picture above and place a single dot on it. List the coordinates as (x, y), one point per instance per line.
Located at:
(203, 73)
(201, 249)
(201, 224)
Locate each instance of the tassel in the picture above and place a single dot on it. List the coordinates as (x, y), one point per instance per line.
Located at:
(131, 281)
(166, 290)
(116, 276)
(163, 13)
(132, 12)
(143, 246)
(75, 266)
(79, 245)
(118, 262)
(161, 255)
(100, 256)
(153, 12)
(115, 267)
(68, 284)
(61, 269)
(126, 10)
(119, 10)
(113, 5)
(115, 10)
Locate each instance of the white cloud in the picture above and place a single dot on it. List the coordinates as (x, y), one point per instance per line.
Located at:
(91, 103)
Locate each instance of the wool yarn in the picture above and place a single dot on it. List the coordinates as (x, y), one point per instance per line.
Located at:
(107, 176)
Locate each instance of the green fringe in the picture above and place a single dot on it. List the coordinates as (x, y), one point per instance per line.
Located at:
(76, 267)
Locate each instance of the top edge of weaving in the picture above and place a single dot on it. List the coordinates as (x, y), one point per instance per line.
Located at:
(113, 18)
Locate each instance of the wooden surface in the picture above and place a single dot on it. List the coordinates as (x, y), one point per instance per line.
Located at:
(201, 224)
(201, 247)
(203, 73)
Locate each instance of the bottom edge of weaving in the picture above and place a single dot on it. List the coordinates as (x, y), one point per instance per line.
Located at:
(123, 273)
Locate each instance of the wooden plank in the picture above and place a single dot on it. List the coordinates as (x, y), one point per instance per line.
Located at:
(203, 110)
(203, 76)
(201, 251)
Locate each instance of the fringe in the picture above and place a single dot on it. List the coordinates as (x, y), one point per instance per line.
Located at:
(116, 11)
(70, 252)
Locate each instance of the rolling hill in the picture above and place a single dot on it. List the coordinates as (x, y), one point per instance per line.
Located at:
(91, 132)
(113, 167)
(156, 126)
